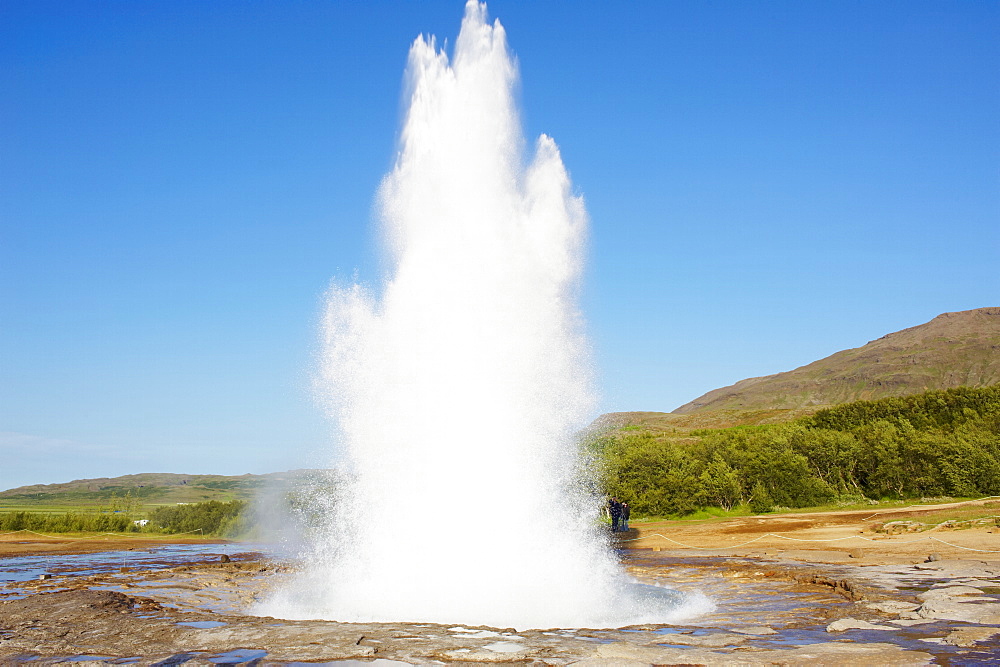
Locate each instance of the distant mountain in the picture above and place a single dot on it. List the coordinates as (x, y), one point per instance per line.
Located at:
(155, 488)
(952, 350)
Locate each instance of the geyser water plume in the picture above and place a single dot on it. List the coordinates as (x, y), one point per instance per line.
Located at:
(459, 389)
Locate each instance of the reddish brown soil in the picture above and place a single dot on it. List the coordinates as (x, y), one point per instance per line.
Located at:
(822, 536)
(25, 543)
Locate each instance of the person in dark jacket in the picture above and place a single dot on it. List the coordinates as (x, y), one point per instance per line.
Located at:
(615, 509)
(625, 514)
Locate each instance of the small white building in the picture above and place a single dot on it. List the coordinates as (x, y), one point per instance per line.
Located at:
(141, 522)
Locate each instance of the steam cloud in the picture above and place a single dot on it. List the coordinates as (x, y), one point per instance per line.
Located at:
(458, 390)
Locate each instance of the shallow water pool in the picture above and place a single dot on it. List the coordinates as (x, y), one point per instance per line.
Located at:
(15, 569)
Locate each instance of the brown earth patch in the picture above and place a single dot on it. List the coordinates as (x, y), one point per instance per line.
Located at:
(24, 543)
(823, 536)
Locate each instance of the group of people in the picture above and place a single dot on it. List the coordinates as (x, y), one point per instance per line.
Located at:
(619, 512)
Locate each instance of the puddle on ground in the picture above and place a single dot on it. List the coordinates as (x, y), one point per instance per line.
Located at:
(741, 599)
(240, 656)
(26, 568)
(176, 659)
(61, 568)
(110, 660)
(201, 625)
(505, 647)
(86, 658)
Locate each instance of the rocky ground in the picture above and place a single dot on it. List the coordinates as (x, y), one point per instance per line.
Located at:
(818, 603)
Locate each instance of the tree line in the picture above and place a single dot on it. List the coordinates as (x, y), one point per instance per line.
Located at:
(221, 519)
(940, 443)
(213, 517)
(116, 517)
(68, 522)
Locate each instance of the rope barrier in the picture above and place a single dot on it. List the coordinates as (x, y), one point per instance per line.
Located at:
(957, 546)
(908, 507)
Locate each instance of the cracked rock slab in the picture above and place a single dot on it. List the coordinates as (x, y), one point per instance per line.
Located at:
(949, 609)
(711, 640)
(967, 637)
(855, 624)
(756, 630)
(950, 592)
(892, 606)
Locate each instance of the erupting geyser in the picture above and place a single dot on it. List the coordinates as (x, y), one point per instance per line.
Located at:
(458, 389)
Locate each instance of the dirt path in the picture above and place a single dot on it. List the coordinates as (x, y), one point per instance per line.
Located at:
(824, 537)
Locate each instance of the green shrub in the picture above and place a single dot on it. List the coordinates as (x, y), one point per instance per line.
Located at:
(760, 499)
(208, 518)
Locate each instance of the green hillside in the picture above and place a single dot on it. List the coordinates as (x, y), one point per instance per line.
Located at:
(939, 443)
(149, 489)
(952, 350)
(673, 424)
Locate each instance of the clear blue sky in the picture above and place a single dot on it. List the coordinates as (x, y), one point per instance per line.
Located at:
(769, 182)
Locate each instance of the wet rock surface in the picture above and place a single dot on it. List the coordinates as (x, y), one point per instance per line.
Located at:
(768, 613)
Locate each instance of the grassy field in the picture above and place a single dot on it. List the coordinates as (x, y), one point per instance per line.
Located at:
(46, 508)
(176, 504)
(147, 491)
(67, 507)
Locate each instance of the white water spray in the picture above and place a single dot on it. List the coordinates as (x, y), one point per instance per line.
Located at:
(458, 391)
